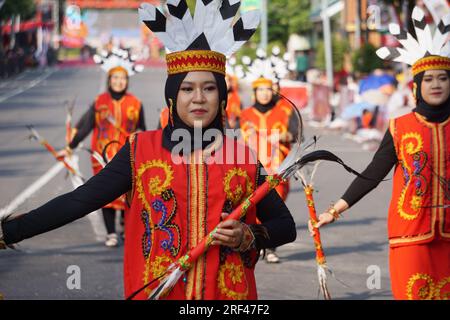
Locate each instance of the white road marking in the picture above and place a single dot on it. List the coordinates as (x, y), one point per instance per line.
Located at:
(95, 218)
(26, 87)
(28, 192)
(7, 82)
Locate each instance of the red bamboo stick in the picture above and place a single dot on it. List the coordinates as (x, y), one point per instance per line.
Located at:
(320, 255)
(270, 183)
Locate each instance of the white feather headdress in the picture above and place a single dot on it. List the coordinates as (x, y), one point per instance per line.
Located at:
(234, 69)
(192, 39)
(280, 63)
(118, 58)
(260, 70)
(424, 50)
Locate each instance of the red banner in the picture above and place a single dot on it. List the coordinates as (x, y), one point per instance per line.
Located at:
(110, 4)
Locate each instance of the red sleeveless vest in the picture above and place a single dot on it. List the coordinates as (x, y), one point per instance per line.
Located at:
(421, 181)
(233, 110)
(173, 207)
(125, 116)
(264, 124)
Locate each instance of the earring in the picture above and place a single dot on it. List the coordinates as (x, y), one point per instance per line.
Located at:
(224, 119)
(171, 111)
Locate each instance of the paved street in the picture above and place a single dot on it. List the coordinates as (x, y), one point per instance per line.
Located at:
(38, 270)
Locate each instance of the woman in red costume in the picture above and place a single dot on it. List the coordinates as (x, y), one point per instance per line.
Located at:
(269, 126)
(112, 117)
(176, 194)
(416, 145)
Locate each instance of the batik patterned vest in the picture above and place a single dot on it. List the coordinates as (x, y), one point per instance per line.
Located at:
(257, 128)
(115, 120)
(421, 181)
(174, 205)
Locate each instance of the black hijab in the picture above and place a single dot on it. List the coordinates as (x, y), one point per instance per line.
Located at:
(434, 114)
(173, 84)
(263, 108)
(114, 94)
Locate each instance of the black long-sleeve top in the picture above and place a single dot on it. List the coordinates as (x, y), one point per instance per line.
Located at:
(383, 161)
(116, 179)
(87, 122)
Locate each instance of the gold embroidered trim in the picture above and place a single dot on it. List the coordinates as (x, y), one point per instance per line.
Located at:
(431, 63)
(131, 140)
(439, 294)
(195, 60)
(442, 172)
(430, 290)
(426, 292)
(236, 196)
(411, 149)
(156, 187)
(160, 264)
(201, 220)
(237, 275)
(194, 228)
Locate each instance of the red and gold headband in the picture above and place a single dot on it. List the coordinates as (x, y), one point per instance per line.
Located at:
(431, 63)
(195, 60)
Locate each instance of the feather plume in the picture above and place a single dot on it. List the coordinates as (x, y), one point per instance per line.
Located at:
(224, 18)
(441, 34)
(423, 31)
(407, 41)
(205, 15)
(180, 24)
(155, 20)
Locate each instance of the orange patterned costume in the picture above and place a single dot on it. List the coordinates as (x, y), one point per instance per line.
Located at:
(174, 206)
(164, 117)
(114, 121)
(257, 129)
(418, 224)
(233, 110)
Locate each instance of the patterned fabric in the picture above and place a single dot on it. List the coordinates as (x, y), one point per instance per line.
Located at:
(421, 272)
(195, 60)
(431, 63)
(257, 129)
(114, 122)
(233, 110)
(421, 181)
(174, 205)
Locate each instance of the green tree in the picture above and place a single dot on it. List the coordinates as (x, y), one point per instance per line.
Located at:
(365, 60)
(13, 8)
(339, 47)
(286, 17)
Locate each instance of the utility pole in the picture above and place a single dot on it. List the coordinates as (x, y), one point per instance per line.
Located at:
(264, 26)
(55, 17)
(328, 43)
(358, 25)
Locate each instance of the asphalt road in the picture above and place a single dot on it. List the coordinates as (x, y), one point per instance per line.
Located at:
(356, 246)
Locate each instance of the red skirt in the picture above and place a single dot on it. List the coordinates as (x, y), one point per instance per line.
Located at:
(421, 272)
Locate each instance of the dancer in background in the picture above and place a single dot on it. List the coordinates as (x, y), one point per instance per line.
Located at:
(417, 146)
(112, 117)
